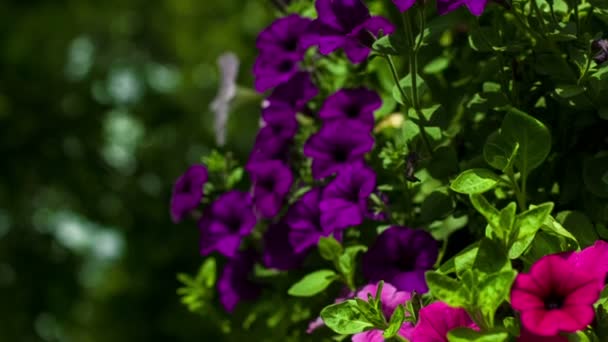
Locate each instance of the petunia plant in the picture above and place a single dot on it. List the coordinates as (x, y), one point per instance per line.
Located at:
(423, 171)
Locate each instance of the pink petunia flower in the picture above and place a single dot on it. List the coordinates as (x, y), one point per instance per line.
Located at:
(437, 319)
(555, 297)
(390, 298)
(592, 260)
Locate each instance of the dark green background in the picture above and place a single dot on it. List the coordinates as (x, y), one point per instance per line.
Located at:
(102, 105)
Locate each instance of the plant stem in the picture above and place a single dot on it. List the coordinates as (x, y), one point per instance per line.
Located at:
(413, 61)
(577, 20)
(540, 17)
(521, 200)
(404, 97)
(587, 66)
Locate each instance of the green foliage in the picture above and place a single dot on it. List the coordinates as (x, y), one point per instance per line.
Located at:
(199, 289)
(475, 181)
(469, 335)
(345, 318)
(312, 283)
(395, 322)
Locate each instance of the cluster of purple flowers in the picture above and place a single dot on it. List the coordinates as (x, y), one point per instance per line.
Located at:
(344, 183)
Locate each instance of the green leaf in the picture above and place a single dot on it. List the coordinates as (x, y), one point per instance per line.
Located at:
(527, 224)
(475, 181)
(207, 274)
(461, 261)
(446, 289)
(406, 85)
(436, 206)
(312, 283)
(437, 65)
(530, 220)
(507, 220)
(234, 177)
(347, 261)
(329, 248)
(499, 152)
(395, 323)
(553, 227)
(491, 257)
(570, 90)
(487, 210)
(393, 44)
(470, 335)
(493, 291)
(345, 318)
(580, 226)
(594, 171)
(511, 325)
(533, 137)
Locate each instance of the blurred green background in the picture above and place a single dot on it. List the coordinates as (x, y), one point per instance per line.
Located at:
(102, 105)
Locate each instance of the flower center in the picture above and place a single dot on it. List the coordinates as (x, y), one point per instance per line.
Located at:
(233, 222)
(406, 263)
(352, 111)
(554, 302)
(340, 155)
(267, 183)
(290, 45)
(285, 66)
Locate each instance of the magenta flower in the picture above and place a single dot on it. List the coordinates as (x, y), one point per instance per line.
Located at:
(337, 145)
(344, 200)
(304, 221)
(404, 5)
(188, 191)
(390, 298)
(436, 320)
(284, 37)
(346, 24)
(555, 297)
(271, 183)
(278, 253)
(476, 7)
(289, 98)
(226, 222)
(234, 284)
(592, 260)
(352, 105)
(401, 256)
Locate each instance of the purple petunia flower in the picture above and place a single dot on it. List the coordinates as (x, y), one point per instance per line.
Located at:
(404, 5)
(273, 141)
(304, 221)
(289, 98)
(601, 46)
(353, 105)
(344, 200)
(401, 256)
(476, 7)
(346, 24)
(390, 298)
(336, 145)
(226, 222)
(234, 284)
(278, 253)
(284, 37)
(270, 71)
(188, 191)
(271, 183)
